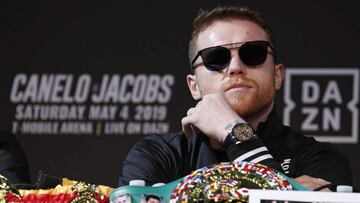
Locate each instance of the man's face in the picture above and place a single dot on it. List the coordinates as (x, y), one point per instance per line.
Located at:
(249, 90)
(123, 199)
(153, 200)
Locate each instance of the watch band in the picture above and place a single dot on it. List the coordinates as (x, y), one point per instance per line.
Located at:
(230, 141)
(238, 133)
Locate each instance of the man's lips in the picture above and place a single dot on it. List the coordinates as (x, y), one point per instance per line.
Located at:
(238, 86)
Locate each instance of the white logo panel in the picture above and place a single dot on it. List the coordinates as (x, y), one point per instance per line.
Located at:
(322, 102)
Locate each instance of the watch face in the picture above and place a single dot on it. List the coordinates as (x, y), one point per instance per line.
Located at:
(242, 131)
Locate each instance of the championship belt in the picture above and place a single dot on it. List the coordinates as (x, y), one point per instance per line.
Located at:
(8, 193)
(68, 192)
(224, 182)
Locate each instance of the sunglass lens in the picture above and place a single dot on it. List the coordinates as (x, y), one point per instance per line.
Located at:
(216, 58)
(253, 53)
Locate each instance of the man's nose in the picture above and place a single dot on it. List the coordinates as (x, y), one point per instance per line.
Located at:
(236, 66)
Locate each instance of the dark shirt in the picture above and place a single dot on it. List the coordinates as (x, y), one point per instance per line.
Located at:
(13, 164)
(165, 158)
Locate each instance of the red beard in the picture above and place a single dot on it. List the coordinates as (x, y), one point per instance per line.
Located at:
(252, 102)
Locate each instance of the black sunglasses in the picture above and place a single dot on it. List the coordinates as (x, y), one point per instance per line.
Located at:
(217, 58)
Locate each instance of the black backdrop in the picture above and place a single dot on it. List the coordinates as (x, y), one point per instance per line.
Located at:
(73, 47)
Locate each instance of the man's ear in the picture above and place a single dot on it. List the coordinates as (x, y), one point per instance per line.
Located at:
(279, 75)
(193, 86)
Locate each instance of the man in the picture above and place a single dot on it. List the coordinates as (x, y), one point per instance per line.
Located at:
(235, 78)
(13, 163)
(123, 199)
(152, 199)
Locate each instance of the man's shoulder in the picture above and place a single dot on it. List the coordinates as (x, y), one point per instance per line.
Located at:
(13, 163)
(169, 138)
(6, 137)
(301, 143)
(9, 144)
(164, 143)
(151, 158)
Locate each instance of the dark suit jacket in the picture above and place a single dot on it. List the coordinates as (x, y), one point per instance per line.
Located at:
(13, 163)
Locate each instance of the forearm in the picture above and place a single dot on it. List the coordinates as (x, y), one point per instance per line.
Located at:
(252, 151)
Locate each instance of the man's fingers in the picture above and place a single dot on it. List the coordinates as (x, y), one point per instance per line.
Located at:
(187, 121)
(310, 182)
(186, 126)
(190, 111)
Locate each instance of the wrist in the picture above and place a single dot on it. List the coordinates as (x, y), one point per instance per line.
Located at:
(223, 132)
(228, 129)
(222, 136)
(239, 133)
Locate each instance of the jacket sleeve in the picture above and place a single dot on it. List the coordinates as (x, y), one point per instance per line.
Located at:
(252, 151)
(13, 163)
(323, 160)
(152, 160)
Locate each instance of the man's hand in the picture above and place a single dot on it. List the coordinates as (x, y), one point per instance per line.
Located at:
(211, 115)
(312, 183)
